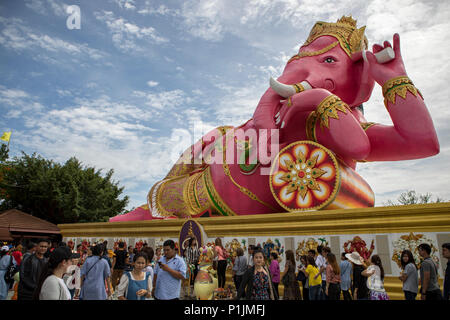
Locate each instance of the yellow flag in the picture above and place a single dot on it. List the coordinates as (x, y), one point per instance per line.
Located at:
(6, 136)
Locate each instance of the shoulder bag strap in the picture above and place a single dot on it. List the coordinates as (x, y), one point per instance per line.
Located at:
(93, 266)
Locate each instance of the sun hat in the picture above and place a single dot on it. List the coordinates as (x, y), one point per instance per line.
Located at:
(5, 248)
(354, 257)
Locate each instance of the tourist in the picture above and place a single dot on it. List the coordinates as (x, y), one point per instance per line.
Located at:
(192, 254)
(31, 248)
(314, 278)
(302, 278)
(239, 267)
(72, 278)
(131, 253)
(333, 282)
(51, 285)
(105, 254)
(274, 269)
(430, 289)
(5, 261)
(119, 264)
(346, 281)
(409, 275)
(321, 263)
(30, 270)
(291, 288)
(136, 284)
(257, 283)
(446, 254)
(150, 253)
(251, 249)
(221, 255)
(95, 273)
(360, 290)
(169, 271)
(17, 254)
(157, 254)
(375, 279)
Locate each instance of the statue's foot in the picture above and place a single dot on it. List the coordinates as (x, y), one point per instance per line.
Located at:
(140, 213)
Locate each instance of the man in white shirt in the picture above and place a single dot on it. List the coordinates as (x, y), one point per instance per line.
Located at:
(321, 263)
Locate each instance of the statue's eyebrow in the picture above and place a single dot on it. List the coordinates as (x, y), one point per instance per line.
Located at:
(313, 53)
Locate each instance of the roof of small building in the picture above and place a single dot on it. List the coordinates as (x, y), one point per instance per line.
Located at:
(16, 220)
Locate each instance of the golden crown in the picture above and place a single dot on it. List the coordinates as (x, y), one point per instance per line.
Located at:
(344, 30)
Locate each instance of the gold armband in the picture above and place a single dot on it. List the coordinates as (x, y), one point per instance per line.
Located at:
(328, 108)
(398, 86)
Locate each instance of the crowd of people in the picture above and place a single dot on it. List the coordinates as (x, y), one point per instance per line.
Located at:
(38, 272)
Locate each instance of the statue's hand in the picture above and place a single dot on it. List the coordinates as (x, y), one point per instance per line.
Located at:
(382, 72)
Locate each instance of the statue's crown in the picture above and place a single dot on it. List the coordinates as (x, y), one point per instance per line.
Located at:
(350, 38)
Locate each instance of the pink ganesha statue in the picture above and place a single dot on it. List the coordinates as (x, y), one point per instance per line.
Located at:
(299, 150)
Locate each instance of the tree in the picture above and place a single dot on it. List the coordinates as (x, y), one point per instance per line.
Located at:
(410, 197)
(59, 193)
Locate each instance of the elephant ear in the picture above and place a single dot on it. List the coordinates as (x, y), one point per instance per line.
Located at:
(366, 82)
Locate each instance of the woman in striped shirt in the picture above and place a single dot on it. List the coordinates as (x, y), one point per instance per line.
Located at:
(192, 254)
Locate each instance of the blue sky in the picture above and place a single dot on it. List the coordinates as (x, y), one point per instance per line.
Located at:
(126, 90)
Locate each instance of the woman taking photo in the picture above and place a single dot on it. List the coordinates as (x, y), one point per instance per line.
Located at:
(409, 275)
(257, 283)
(51, 286)
(375, 278)
(314, 278)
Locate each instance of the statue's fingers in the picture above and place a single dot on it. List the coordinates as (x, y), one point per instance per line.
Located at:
(387, 44)
(377, 48)
(397, 45)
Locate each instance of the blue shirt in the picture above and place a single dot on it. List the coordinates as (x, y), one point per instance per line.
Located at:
(168, 287)
(96, 271)
(346, 270)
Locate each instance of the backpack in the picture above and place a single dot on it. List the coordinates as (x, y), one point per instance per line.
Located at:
(11, 271)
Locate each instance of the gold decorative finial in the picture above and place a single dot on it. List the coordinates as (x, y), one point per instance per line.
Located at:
(344, 30)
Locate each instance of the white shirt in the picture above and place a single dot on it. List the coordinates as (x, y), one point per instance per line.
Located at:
(321, 262)
(54, 288)
(73, 272)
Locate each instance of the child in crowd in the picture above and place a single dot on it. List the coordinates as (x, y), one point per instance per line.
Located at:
(136, 284)
(72, 278)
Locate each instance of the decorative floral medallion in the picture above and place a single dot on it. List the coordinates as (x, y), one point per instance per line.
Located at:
(304, 176)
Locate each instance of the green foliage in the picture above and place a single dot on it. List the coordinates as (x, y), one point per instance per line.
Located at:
(58, 193)
(410, 197)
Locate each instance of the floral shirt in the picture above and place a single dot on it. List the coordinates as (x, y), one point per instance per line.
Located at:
(261, 286)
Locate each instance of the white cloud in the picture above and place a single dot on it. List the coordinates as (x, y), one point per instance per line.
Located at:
(43, 7)
(152, 83)
(127, 36)
(17, 36)
(126, 4)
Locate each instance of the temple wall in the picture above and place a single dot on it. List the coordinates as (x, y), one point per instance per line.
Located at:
(384, 226)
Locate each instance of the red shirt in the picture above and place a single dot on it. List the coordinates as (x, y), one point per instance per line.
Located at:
(17, 256)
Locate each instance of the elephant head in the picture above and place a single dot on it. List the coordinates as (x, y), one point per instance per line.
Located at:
(330, 59)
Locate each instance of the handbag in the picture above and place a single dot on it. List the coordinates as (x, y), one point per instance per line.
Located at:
(301, 277)
(11, 271)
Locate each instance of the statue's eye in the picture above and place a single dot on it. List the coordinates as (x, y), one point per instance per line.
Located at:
(329, 60)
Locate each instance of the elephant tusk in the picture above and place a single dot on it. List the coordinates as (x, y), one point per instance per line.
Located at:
(285, 90)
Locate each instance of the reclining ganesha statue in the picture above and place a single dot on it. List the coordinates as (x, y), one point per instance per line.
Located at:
(300, 149)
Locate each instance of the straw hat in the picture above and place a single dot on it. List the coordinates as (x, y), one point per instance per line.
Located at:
(354, 257)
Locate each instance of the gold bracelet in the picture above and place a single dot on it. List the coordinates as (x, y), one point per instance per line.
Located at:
(328, 108)
(398, 86)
